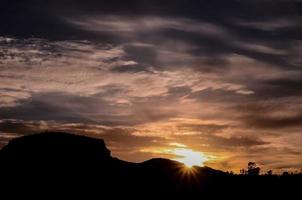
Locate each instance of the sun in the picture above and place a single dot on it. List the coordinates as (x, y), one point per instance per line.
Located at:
(189, 157)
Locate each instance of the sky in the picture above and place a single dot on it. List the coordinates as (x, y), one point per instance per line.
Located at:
(158, 78)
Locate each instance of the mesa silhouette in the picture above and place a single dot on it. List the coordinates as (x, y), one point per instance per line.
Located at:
(56, 163)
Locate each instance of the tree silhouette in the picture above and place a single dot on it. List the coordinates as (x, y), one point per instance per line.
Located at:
(242, 171)
(252, 169)
(285, 174)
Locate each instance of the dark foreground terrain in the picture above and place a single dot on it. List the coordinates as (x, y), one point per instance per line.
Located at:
(57, 164)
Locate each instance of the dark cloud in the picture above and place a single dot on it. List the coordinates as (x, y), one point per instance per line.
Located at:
(262, 121)
(203, 129)
(216, 142)
(130, 68)
(236, 18)
(278, 88)
(42, 107)
(13, 126)
(63, 107)
(219, 95)
(143, 55)
(271, 114)
(238, 141)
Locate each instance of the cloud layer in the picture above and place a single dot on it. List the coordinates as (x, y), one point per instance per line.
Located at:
(223, 78)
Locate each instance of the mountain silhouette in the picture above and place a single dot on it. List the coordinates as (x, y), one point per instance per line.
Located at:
(66, 164)
(54, 147)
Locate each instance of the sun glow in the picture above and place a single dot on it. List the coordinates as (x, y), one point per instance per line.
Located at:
(189, 157)
(181, 153)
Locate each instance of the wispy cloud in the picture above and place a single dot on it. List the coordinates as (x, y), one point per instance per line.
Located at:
(218, 77)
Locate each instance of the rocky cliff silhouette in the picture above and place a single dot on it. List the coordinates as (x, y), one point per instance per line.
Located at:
(61, 163)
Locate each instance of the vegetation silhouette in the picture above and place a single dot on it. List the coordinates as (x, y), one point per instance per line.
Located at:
(252, 169)
(55, 163)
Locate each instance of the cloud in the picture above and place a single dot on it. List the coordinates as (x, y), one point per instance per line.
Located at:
(18, 127)
(261, 121)
(130, 26)
(221, 77)
(273, 24)
(35, 66)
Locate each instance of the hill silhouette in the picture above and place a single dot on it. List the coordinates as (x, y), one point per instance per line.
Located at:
(61, 163)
